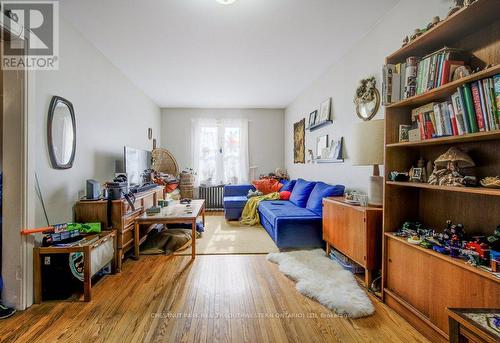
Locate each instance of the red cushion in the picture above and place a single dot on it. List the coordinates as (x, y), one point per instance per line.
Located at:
(267, 186)
(285, 195)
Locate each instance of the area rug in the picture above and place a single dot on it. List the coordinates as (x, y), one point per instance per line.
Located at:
(324, 280)
(223, 237)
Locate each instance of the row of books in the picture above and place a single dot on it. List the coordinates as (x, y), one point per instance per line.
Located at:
(474, 107)
(416, 76)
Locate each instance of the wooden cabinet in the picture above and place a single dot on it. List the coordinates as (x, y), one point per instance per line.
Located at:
(120, 217)
(425, 283)
(354, 231)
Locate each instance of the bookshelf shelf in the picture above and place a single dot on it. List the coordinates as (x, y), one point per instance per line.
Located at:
(445, 90)
(470, 190)
(471, 137)
(458, 24)
(458, 262)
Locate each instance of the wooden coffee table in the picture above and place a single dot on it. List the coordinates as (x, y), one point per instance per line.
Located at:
(175, 213)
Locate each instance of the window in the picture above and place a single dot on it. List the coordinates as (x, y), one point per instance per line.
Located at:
(220, 151)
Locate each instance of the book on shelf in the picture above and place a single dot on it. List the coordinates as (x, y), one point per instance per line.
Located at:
(474, 107)
(416, 76)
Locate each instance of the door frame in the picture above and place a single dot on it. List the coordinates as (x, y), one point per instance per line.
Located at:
(19, 146)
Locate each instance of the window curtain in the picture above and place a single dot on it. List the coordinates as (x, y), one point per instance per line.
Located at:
(220, 151)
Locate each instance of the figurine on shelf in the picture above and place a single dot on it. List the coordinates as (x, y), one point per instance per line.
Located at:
(433, 23)
(481, 248)
(450, 163)
(456, 5)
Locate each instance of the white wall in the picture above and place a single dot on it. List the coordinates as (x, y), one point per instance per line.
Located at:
(265, 134)
(110, 113)
(365, 59)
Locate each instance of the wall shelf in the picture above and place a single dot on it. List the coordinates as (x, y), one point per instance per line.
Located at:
(328, 160)
(319, 125)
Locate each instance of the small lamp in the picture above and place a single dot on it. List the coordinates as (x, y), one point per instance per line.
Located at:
(368, 150)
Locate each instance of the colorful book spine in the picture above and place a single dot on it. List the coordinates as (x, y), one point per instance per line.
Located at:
(453, 117)
(466, 93)
(496, 91)
(482, 103)
(459, 113)
(476, 98)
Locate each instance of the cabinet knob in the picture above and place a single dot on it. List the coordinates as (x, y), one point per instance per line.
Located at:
(390, 260)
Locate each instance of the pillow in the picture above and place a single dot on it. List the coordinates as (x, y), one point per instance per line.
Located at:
(287, 185)
(285, 195)
(322, 190)
(301, 192)
(267, 186)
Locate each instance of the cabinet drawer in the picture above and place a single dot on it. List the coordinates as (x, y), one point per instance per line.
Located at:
(128, 234)
(130, 218)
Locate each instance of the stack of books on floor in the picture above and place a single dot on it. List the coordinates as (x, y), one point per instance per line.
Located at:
(474, 107)
(419, 75)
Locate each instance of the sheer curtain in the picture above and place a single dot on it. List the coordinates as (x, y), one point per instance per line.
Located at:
(220, 151)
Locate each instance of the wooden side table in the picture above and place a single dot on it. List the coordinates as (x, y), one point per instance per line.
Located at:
(473, 325)
(85, 248)
(355, 231)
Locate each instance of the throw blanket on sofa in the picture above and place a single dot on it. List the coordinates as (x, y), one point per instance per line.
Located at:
(250, 215)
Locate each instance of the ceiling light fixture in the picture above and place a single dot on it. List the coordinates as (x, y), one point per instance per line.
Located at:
(226, 2)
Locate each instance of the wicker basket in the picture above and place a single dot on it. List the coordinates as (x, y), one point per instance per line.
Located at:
(186, 185)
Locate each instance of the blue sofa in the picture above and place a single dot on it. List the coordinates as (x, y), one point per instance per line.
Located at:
(294, 223)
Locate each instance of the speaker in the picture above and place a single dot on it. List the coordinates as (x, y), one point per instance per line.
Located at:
(93, 190)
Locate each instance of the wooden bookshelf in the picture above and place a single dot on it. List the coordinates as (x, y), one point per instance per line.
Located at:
(420, 283)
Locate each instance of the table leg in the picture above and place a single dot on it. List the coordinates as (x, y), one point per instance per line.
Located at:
(327, 249)
(114, 260)
(203, 214)
(136, 241)
(87, 279)
(193, 243)
(37, 276)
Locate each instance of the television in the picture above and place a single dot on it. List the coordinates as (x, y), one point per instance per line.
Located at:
(136, 161)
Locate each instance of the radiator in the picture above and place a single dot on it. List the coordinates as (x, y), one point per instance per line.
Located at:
(214, 197)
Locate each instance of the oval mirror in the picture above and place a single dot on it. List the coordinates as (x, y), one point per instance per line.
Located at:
(367, 99)
(61, 133)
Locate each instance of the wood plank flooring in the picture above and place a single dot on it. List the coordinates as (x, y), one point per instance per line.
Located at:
(214, 299)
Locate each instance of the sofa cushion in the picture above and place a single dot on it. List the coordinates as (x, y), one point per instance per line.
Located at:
(287, 185)
(267, 186)
(235, 201)
(301, 192)
(322, 190)
(274, 209)
(285, 195)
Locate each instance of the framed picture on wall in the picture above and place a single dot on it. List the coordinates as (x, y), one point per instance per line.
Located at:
(299, 131)
(322, 147)
(324, 111)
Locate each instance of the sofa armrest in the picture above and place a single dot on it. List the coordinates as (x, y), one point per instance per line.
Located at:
(237, 190)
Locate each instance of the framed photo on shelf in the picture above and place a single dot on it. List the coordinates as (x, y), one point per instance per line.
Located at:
(312, 118)
(321, 146)
(336, 149)
(324, 111)
(404, 133)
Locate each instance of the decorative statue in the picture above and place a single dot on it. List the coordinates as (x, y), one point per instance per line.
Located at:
(366, 91)
(450, 162)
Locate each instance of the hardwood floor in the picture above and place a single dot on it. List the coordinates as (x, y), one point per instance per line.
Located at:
(214, 299)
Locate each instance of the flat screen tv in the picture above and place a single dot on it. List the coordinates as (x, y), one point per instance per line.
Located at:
(136, 161)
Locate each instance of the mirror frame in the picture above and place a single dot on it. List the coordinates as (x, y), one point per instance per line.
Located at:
(53, 103)
(375, 110)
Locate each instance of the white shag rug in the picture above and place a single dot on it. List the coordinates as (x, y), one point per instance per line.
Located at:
(324, 280)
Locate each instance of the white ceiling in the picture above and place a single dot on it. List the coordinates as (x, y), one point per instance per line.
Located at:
(198, 53)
